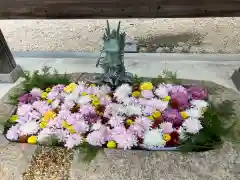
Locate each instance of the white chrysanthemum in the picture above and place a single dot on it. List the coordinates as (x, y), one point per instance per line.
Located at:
(44, 136)
(133, 110)
(161, 91)
(98, 125)
(182, 133)
(123, 91)
(84, 100)
(200, 104)
(71, 97)
(153, 138)
(192, 125)
(55, 103)
(194, 113)
(29, 128)
(115, 121)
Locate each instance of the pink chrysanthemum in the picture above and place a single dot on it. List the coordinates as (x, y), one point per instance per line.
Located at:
(36, 92)
(81, 126)
(24, 109)
(166, 127)
(13, 132)
(147, 94)
(73, 140)
(98, 137)
(141, 124)
(125, 139)
(116, 121)
(41, 106)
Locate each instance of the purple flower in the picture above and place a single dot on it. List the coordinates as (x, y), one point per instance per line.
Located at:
(148, 110)
(140, 125)
(53, 95)
(180, 101)
(178, 88)
(173, 116)
(27, 98)
(166, 127)
(41, 106)
(147, 94)
(24, 109)
(197, 93)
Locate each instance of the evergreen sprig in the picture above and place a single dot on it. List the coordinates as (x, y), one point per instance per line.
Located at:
(217, 127)
(38, 79)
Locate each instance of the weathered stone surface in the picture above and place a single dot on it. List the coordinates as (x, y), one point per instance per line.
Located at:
(218, 164)
(14, 159)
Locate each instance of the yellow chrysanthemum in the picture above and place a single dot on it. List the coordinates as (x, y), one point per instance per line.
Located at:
(83, 93)
(65, 124)
(151, 118)
(136, 93)
(44, 95)
(96, 102)
(184, 115)
(129, 122)
(49, 101)
(166, 137)
(92, 85)
(70, 87)
(111, 144)
(32, 140)
(48, 90)
(13, 118)
(49, 115)
(71, 129)
(166, 98)
(156, 114)
(146, 86)
(43, 124)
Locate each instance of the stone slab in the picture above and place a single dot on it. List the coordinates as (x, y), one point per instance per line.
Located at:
(14, 159)
(11, 77)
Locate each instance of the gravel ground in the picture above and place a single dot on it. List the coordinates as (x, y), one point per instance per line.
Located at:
(49, 163)
(209, 35)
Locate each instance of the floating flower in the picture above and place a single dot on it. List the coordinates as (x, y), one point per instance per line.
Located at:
(146, 86)
(36, 92)
(175, 139)
(166, 127)
(153, 138)
(73, 140)
(161, 91)
(70, 87)
(44, 95)
(32, 140)
(148, 94)
(192, 125)
(173, 116)
(13, 118)
(111, 144)
(177, 89)
(179, 101)
(49, 115)
(116, 120)
(136, 94)
(200, 104)
(28, 128)
(13, 133)
(197, 93)
(156, 114)
(125, 140)
(166, 137)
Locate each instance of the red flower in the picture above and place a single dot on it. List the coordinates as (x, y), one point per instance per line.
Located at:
(174, 139)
